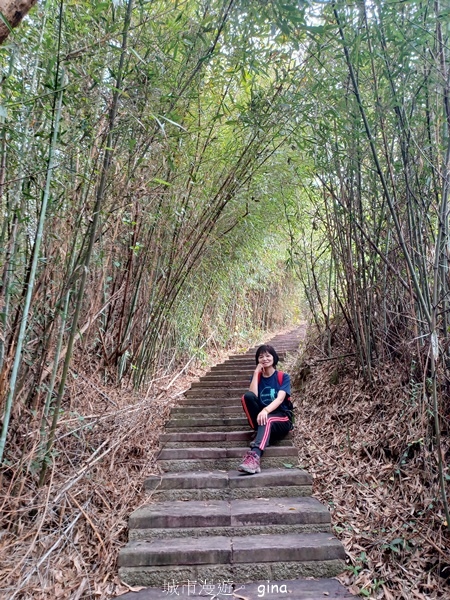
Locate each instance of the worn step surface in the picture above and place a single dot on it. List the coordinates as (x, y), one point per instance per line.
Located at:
(225, 424)
(211, 485)
(219, 453)
(240, 371)
(200, 421)
(300, 589)
(216, 438)
(229, 517)
(184, 411)
(264, 556)
(207, 522)
(220, 384)
(205, 459)
(233, 444)
(242, 376)
(211, 392)
(197, 402)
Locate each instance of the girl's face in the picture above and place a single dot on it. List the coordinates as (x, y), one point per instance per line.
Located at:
(265, 359)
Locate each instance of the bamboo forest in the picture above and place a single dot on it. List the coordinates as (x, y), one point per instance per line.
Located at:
(180, 181)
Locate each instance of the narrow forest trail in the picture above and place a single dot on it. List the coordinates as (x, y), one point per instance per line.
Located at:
(207, 528)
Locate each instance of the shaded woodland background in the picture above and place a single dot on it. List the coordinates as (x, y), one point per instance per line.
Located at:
(177, 179)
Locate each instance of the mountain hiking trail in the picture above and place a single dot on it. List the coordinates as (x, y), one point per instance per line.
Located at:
(208, 530)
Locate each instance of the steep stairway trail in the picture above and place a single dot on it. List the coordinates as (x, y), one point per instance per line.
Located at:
(208, 528)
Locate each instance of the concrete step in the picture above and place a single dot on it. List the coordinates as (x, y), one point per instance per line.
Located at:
(283, 356)
(209, 428)
(298, 589)
(230, 374)
(205, 459)
(219, 370)
(236, 359)
(196, 421)
(266, 556)
(224, 392)
(218, 453)
(221, 485)
(228, 517)
(237, 444)
(219, 411)
(214, 439)
(234, 366)
(249, 360)
(221, 383)
(226, 371)
(231, 368)
(237, 364)
(200, 400)
(249, 356)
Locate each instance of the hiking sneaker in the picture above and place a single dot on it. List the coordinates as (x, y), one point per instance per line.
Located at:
(250, 463)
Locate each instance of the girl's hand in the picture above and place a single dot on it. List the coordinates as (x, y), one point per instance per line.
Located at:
(262, 417)
(259, 369)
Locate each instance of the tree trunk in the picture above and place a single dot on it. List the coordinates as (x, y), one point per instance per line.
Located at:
(12, 11)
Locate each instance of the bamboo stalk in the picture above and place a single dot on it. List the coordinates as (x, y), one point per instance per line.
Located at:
(93, 235)
(36, 251)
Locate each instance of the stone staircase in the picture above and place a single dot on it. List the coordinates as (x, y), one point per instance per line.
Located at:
(208, 525)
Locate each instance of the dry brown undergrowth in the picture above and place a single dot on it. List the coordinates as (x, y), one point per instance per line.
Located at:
(61, 541)
(367, 450)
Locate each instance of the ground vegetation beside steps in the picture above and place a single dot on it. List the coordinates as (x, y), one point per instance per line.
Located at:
(365, 446)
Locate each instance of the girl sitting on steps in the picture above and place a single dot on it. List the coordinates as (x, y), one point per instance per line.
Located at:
(266, 407)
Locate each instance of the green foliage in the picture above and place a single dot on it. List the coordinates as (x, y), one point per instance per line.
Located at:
(181, 200)
(256, 147)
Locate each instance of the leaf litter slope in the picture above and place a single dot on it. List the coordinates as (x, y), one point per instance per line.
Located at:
(364, 447)
(62, 541)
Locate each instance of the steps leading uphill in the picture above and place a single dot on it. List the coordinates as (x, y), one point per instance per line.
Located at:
(209, 530)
